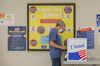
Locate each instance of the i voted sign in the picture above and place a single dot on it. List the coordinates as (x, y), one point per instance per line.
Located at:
(77, 49)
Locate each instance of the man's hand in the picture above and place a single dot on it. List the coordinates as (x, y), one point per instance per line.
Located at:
(53, 44)
(63, 48)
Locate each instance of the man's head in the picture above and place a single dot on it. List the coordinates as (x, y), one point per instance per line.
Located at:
(60, 26)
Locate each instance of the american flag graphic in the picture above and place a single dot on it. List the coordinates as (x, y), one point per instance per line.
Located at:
(80, 55)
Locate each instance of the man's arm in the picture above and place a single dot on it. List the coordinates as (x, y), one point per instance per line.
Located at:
(53, 44)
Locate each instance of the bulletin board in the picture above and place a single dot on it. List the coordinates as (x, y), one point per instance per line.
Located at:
(41, 18)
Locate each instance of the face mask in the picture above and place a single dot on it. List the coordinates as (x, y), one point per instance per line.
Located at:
(60, 30)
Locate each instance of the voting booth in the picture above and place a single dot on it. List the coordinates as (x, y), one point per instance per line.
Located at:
(77, 49)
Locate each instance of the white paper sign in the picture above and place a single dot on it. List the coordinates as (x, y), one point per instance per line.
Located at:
(77, 49)
(6, 19)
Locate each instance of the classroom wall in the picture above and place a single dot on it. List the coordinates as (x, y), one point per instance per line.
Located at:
(86, 11)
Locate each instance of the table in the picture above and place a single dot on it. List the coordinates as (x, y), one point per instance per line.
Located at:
(92, 61)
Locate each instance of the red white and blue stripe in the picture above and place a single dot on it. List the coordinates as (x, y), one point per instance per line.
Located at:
(80, 55)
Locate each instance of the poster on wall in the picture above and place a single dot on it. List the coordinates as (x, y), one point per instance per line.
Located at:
(41, 18)
(16, 38)
(77, 49)
(86, 32)
(98, 20)
(7, 19)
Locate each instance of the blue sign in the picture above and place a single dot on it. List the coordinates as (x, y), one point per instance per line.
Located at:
(16, 38)
(98, 20)
(44, 40)
(89, 34)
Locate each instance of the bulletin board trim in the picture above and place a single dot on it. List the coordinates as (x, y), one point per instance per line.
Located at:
(47, 4)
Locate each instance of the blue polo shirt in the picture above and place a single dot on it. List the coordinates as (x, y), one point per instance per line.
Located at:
(54, 36)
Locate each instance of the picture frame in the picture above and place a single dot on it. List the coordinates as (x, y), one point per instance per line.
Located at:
(41, 17)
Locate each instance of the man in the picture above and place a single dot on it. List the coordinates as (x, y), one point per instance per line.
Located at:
(55, 43)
